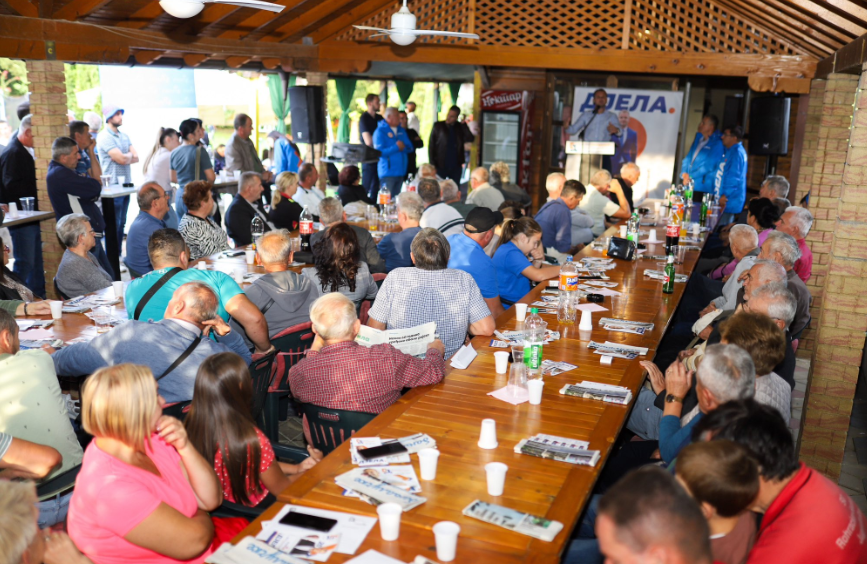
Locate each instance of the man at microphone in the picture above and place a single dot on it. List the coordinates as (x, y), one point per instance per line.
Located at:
(599, 124)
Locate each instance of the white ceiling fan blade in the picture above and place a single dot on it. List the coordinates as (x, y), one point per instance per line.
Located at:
(368, 28)
(442, 33)
(257, 4)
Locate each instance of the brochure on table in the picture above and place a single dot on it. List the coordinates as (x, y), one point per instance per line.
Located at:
(352, 528)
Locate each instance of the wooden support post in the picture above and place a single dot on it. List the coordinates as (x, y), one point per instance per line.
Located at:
(627, 24)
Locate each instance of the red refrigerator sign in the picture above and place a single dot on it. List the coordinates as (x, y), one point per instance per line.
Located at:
(515, 101)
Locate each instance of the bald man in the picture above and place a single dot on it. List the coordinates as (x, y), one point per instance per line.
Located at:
(153, 205)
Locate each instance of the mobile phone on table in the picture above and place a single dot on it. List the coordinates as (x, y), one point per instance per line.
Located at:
(233, 253)
(308, 521)
(387, 449)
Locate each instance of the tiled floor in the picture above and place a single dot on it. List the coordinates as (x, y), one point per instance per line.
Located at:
(853, 479)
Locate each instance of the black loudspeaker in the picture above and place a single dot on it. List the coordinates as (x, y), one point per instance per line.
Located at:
(769, 125)
(307, 104)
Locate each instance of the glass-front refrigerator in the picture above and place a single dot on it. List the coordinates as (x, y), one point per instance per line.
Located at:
(506, 134)
(501, 138)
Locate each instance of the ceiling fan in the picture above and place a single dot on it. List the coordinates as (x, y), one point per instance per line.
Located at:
(403, 31)
(189, 8)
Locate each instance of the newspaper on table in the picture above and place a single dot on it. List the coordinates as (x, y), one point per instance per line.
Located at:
(402, 477)
(617, 351)
(464, 357)
(356, 444)
(376, 490)
(84, 303)
(524, 523)
(250, 551)
(601, 283)
(625, 326)
(640, 351)
(517, 337)
(552, 368)
(417, 442)
(499, 344)
(353, 529)
(314, 545)
(25, 324)
(660, 275)
(413, 341)
(602, 392)
(558, 448)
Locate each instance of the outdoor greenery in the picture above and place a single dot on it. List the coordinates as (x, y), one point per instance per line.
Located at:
(78, 79)
(13, 78)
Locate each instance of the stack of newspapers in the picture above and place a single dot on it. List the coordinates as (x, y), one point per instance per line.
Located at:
(617, 350)
(625, 326)
(558, 448)
(660, 275)
(602, 392)
(524, 523)
(371, 487)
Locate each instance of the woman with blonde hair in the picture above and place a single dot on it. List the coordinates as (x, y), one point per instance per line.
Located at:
(285, 211)
(144, 492)
(519, 257)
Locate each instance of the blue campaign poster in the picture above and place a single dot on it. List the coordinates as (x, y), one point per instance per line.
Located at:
(143, 87)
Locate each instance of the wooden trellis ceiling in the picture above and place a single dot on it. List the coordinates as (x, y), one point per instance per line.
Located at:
(442, 15)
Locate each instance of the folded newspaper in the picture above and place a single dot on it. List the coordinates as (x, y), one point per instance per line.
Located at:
(517, 337)
(612, 350)
(558, 448)
(552, 368)
(413, 341)
(413, 444)
(400, 476)
(84, 303)
(625, 326)
(602, 392)
(524, 523)
(376, 490)
(660, 275)
(250, 551)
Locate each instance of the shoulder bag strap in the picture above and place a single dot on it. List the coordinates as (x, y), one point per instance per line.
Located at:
(267, 306)
(181, 358)
(153, 290)
(198, 161)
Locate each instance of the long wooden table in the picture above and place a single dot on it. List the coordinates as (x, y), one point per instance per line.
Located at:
(451, 412)
(25, 217)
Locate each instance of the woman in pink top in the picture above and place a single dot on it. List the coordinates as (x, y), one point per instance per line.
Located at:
(762, 215)
(143, 492)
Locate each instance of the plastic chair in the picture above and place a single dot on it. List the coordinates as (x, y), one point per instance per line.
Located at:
(364, 307)
(330, 427)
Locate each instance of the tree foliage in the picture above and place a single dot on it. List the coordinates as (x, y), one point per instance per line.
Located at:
(79, 78)
(13, 78)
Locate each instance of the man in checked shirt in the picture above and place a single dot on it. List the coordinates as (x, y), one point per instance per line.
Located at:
(338, 373)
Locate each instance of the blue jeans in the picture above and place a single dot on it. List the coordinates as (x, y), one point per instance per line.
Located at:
(27, 243)
(370, 179)
(53, 511)
(725, 219)
(584, 548)
(121, 205)
(98, 251)
(394, 183)
(645, 417)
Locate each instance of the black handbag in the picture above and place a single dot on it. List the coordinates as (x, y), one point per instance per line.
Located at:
(623, 249)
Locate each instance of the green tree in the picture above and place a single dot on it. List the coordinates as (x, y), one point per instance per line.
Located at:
(81, 77)
(13, 78)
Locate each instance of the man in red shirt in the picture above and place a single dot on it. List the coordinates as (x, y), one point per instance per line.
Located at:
(807, 518)
(339, 373)
(797, 221)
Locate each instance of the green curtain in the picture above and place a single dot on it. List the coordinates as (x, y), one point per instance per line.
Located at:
(404, 91)
(454, 90)
(345, 91)
(439, 98)
(279, 99)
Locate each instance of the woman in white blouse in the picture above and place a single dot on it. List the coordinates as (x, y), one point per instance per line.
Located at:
(157, 168)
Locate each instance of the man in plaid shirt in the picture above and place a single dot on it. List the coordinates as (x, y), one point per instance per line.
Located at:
(338, 373)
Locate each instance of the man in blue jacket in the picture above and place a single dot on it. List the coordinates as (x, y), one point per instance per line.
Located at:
(70, 192)
(731, 177)
(392, 141)
(702, 160)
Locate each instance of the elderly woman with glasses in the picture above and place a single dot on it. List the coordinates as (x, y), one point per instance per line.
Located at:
(79, 272)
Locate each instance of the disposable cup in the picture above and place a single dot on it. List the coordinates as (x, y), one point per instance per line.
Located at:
(202, 265)
(696, 230)
(446, 534)
(535, 388)
(389, 520)
(106, 180)
(496, 472)
(118, 289)
(622, 231)
(427, 459)
(586, 323)
(239, 275)
(501, 359)
(13, 209)
(681, 254)
(488, 436)
(251, 256)
(56, 309)
(27, 204)
(651, 235)
(237, 174)
(520, 312)
(121, 180)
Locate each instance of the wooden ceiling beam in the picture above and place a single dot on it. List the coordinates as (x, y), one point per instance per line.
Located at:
(46, 8)
(211, 15)
(256, 22)
(237, 62)
(298, 27)
(855, 10)
(22, 8)
(354, 16)
(78, 9)
(195, 59)
(146, 57)
(807, 23)
(143, 17)
(819, 12)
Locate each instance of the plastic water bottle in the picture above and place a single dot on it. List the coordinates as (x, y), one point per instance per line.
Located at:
(568, 298)
(534, 338)
(384, 196)
(632, 228)
(257, 229)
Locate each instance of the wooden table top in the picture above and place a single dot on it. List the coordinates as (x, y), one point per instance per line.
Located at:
(25, 217)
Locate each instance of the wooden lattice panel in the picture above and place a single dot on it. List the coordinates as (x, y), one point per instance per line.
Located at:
(441, 15)
(550, 23)
(698, 25)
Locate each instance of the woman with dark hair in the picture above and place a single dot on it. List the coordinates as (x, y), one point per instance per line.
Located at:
(762, 215)
(203, 235)
(338, 265)
(518, 259)
(350, 190)
(510, 209)
(12, 287)
(190, 161)
(157, 168)
(221, 427)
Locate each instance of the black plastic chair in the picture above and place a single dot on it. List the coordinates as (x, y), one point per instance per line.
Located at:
(331, 427)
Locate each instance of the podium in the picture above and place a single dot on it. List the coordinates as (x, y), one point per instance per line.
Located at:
(584, 158)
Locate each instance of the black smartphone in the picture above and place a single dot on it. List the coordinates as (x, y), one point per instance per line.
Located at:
(383, 450)
(233, 253)
(308, 521)
(589, 278)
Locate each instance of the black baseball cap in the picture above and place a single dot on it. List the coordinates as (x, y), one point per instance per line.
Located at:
(482, 219)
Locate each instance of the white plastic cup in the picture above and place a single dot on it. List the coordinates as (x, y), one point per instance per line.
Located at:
(13, 210)
(651, 235)
(56, 309)
(427, 461)
(223, 177)
(520, 311)
(488, 436)
(251, 256)
(118, 289)
(446, 534)
(496, 472)
(696, 230)
(202, 265)
(237, 174)
(623, 232)
(586, 321)
(389, 520)
(121, 180)
(656, 206)
(501, 358)
(239, 275)
(535, 388)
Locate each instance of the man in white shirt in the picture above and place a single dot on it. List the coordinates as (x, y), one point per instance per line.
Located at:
(308, 193)
(483, 194)
(438, 214)
(411, 118)
(596, 202)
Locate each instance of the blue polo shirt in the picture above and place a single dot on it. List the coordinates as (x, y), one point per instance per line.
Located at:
(220, 282)
(555, 219)
(469, 256)
(510, 262)
(137, 241)
(395, 248)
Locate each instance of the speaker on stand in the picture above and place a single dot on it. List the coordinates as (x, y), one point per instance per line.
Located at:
(307, 107)
(769, 129)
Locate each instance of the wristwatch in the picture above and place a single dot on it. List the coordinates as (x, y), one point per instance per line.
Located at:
(671, 398)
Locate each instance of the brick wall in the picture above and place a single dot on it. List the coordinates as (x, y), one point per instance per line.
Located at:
(48, 106)
(839, 244)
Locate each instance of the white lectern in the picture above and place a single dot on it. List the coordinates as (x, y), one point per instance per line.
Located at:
(584, 158)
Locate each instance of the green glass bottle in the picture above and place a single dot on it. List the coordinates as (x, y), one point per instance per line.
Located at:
(668, 281)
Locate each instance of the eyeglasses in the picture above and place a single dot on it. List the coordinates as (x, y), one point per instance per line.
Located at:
(6, 249)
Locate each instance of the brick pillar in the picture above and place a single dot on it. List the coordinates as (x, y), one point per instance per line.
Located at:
(48, 106)
(318, 150)
(811, 140)
(839, 242)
